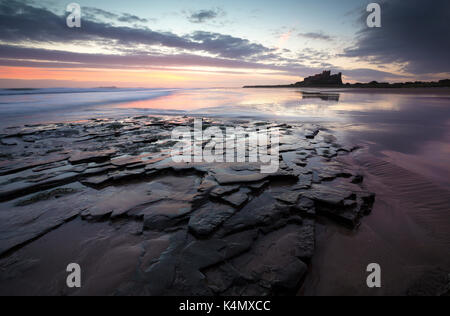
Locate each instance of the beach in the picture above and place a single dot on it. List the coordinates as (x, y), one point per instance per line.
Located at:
(362, 178)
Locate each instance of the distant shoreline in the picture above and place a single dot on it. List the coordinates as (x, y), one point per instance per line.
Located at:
(445, 84)
(325, 80)
(416, 90)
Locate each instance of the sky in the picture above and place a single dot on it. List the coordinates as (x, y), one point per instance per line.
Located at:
(207, 43)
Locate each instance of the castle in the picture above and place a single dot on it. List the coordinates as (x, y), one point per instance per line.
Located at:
(323, 79)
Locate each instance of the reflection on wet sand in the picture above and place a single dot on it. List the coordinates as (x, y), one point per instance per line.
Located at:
(321, 96)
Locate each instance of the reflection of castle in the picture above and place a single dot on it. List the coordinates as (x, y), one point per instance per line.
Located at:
(323, 79)
(322, 96)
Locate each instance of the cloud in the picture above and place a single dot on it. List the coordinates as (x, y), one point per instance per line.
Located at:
(35, 57)
(25, 25)
(21, 22)
(227, 45)
(316, 36)
(43, 58)
(93, 14)
(129, 18)
(367, 75)
(204, 15)
(413, 32)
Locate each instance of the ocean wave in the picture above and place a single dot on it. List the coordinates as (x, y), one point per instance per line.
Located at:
(32, 101)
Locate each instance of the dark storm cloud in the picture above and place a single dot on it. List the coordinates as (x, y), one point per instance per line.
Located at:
(20, 22)
(203, 16)
(316, 36)
(413, 31)
(228, 46)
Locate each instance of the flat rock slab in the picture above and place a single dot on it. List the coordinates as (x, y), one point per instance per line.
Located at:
(328, 194)
(208, 218)
(272, 263)
(224, 190)
(88, 156)
(165, 215)
(261, 211)
(229, 178)
(8, 142)
(237, 199)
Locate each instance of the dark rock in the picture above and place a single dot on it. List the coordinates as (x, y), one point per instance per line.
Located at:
(358, 179)
(126, 161)
(311, 134)
(19, 189)
(87, 156)
(208, 218)
(290, 197)
(261, 211)
(366, 201)
(304, 182)
(49, 166)
(326, 152)
(341, 204)
(94, 171)
(273, 262)
(165, 215)
(228, 178)
(327, 194)
(97, 181)
(224, 190)
(257, 187)
(207, 185)
(300, 162)
(8, 142)
(11, 167)
(435, 282)
(237, 199)
(306, 206)
(43, 196)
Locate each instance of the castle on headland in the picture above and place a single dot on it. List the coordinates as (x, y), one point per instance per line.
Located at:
(327, 80)
(323, 79)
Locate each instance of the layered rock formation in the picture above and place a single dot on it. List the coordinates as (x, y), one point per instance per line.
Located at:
(106, 194)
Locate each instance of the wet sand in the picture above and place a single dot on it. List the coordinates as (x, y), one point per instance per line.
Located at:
(424, 91)
(408, 234)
